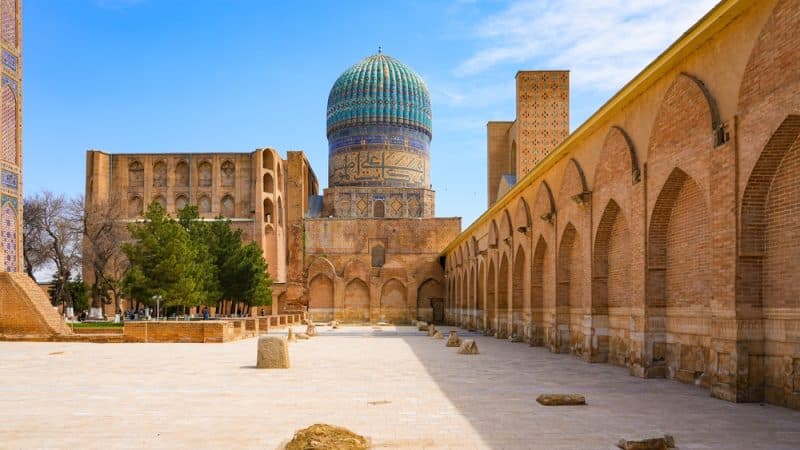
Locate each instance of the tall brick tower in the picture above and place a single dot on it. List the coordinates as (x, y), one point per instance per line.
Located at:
(10, 138)
(542, 122)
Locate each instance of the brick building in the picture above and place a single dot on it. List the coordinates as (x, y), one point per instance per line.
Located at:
(662, 235)
(367, 250)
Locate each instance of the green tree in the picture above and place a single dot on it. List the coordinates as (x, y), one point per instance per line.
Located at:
(163, 262)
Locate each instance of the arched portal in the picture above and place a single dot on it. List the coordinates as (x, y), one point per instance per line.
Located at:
(320, 298)
(502, 299)
(568, 289)
(491, 297)
(356, 302)
(429, 296)
(393, 302)
(540, 258)
(519, 281)
(678, 281)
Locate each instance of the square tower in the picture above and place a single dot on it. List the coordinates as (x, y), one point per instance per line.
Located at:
(542, 116)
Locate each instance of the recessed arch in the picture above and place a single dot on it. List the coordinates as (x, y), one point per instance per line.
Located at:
(204, 204)
(160, 174)
(320, 298)
(268, 183)
(205, 174)
(539, 264)
(393, 307)
(136, 174)
(182, 174)
(502, 297)
(228, 206)
(519, 281)
(569, 279)
(228, 173)
(356, 301)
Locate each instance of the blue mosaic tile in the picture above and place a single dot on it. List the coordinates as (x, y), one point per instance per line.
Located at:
(9, 60)
(9, 180)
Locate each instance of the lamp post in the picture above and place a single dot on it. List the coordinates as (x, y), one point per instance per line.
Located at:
(158, 299)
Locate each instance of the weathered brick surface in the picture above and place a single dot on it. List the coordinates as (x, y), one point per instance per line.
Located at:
(25, 310)
(201, 331)
(679, 258)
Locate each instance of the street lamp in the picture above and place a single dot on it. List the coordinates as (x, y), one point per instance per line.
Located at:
(158, 299)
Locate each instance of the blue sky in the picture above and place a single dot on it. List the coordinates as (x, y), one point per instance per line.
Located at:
(234, 75)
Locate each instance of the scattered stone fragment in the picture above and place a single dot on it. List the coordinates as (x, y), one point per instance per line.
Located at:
(468, 347)
(303, 336)
(661, 443)
(290, 336)
(311, 330)
(453, 340)
(334, 324)
(561, 399)
(324, 437)
(438, 335)
(488, 332)
(273, 353)
(382, 324)
(515, 338)
(431, 330)
(379, 402)
(422, 326)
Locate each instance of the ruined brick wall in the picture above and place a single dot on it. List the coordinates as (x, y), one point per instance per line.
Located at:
(662, 235)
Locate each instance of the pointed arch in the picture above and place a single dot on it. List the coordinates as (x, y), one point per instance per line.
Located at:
(393, 307)
(204, 174)
(228, 206)
(769, 244)
(320, 298)
(228, 173)
(538, 269)
(491, 297)
(568, 289)
(678, 280)
(136, 174)
(501, 312)
(356, 301)
(520, 280)
(160, 174)
(522, 216)
(182, 174)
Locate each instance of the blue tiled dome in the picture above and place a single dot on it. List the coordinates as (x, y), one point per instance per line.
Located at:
(379, 90)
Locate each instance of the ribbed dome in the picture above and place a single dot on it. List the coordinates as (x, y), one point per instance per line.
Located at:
(379, 90)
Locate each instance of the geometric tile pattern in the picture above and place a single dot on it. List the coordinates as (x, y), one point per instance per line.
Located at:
(8, 240)
(8, 122)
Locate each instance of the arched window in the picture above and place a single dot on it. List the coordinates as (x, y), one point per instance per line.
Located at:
(269, 184)
(269, 160)
(136, 174)
(204, 174)
(204, 205)
(9, 115)
(180, 202)
(182, 174)
(160, 174)
(269, 212)
(228, 173)
(228, 206)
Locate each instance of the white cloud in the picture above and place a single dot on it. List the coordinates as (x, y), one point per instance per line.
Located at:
(603, 43)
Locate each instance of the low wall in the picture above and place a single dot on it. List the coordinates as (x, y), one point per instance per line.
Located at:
(193, 331)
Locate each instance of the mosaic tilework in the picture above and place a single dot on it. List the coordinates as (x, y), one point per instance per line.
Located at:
(8, 235)
(9, 124)
(9, 60)
(8, 21)
(10, 180)
(542, 115)
(379, 89)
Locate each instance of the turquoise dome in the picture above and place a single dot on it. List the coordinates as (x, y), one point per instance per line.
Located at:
(379, 90)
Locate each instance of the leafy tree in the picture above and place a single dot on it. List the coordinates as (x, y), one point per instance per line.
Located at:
(163, 261)
(77, 289)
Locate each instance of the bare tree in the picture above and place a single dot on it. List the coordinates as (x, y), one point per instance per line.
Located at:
(104, 231)
(35, 251)
(54, 230)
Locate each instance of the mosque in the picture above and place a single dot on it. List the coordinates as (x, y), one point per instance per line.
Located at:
(661, 235)
(366, 249)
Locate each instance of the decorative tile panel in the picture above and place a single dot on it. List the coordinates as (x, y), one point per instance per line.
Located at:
(8, 123)
(8, 233)
(9, 60)
(10, 180)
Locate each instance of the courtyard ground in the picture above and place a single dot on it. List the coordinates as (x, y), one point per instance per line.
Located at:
(397, 386)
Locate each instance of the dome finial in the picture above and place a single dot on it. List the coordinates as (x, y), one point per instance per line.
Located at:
(380, 49)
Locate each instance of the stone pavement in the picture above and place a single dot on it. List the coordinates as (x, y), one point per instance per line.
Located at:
(397, 386)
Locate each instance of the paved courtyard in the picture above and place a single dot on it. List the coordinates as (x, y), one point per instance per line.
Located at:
(396, 386)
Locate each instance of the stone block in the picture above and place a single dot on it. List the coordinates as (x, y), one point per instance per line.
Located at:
(438, 335)
(453, 340)
(311, 330)
(302, 336)
(468, 347)
(659, 443)
(561, 399)
(431, 330)
(422, 326)
(290, 337)
(273, 353)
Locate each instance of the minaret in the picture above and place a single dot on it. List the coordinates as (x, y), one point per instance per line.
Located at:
(10, 138)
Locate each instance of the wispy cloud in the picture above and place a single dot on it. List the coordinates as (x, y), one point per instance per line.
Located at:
(603, 43)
